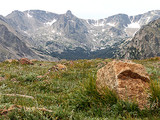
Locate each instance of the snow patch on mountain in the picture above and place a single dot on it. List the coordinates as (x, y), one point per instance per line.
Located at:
(53, 31)
(102, 48)
(103, 30)
(58, 33)
(87, 22)
(71, 21)
(111, 24)
(134, 25)
(95, 34)
(94, 40)
(29, 16)
(148, 19)
(25, 32)
(51, 22)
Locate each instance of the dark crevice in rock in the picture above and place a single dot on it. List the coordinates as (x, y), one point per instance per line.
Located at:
(129, 74)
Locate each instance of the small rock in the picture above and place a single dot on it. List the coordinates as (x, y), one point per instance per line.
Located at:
(61, 67)
(2, 78)
(25, 61)
(40, 76)
(71, 63)
(4, 112)
(11, 60)
(33, 60)
(14, 80)
(58, 67)
(63, 60)
(46, 81)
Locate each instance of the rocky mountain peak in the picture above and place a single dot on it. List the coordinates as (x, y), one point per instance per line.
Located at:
(120, 19)
(16, 13)
(69, 13)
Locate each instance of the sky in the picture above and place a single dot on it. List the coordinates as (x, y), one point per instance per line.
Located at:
(86, 9)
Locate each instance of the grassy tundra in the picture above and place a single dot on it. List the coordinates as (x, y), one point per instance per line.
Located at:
(36, 92)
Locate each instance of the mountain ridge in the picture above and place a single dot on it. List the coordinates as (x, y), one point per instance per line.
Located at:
(55, 34)
(145, 43)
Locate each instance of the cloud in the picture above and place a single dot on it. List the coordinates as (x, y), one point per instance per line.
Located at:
(82, 8)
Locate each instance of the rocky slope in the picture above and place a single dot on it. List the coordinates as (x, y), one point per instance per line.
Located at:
(11, 44)
(145, 44)
(65, 35)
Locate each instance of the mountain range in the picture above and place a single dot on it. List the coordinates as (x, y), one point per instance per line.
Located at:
(44, 35)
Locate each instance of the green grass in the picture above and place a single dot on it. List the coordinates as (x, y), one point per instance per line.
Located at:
(70, 94)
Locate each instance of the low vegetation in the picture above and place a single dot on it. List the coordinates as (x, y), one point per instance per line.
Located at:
(36, 92)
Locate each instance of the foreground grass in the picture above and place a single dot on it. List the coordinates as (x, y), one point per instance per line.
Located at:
(70, 94)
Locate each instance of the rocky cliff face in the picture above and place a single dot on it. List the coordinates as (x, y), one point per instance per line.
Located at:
(145, 44)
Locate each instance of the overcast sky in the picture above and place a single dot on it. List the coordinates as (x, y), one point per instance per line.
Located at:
(86, 9)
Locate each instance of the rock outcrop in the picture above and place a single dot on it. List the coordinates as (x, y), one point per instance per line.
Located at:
(128, 79)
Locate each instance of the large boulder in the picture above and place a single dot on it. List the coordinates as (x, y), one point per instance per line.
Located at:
(128, 79)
